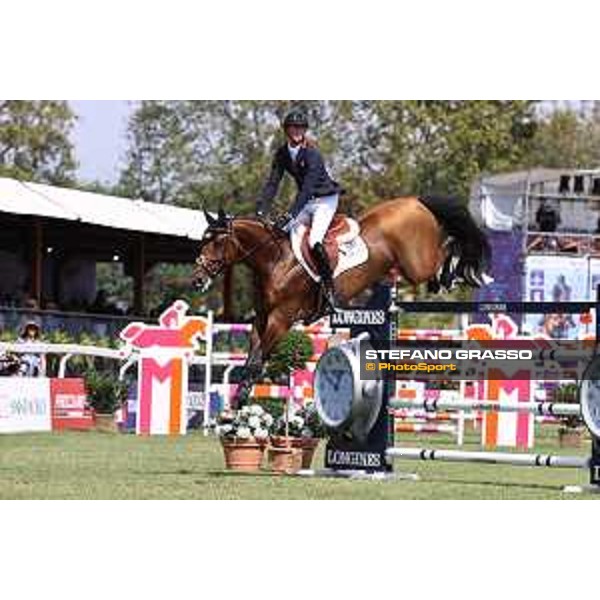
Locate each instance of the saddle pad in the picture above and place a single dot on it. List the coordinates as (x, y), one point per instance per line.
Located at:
(345, 247)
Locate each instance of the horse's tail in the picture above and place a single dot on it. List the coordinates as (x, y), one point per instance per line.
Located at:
(469, 252)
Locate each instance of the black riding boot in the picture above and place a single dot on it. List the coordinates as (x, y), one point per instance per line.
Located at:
(326, 274)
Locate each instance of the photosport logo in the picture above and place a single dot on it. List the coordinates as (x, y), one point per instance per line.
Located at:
(470, 360)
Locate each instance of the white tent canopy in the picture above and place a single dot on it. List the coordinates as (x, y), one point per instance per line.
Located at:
(24, 198)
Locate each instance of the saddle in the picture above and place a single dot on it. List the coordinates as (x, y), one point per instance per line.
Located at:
(344, 246)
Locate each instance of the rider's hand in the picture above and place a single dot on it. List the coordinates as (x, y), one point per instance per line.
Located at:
(261, 215)
(283, 221)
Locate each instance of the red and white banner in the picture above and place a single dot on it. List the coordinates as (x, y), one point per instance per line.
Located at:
(69, 405)
(41, 404)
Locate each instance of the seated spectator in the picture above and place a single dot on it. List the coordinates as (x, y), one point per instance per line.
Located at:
(10, 364)
(32, 365)
(547, 218)
(101, 305)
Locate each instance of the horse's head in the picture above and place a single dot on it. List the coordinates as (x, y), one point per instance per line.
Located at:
(228, 240)
(218, 249)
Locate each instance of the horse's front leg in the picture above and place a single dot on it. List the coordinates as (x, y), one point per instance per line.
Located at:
(253, 367)
(265, 336)
(275, 329)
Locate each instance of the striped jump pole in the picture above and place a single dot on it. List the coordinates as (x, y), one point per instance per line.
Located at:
(493, 458)
(553, 409)
(425, 428)
(426, 416)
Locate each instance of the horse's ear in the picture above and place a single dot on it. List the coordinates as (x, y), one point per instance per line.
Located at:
(222, 216)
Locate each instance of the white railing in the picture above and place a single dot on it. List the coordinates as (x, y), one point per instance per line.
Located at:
(67, 351)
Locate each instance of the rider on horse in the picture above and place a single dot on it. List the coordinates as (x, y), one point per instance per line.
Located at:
(318, 194)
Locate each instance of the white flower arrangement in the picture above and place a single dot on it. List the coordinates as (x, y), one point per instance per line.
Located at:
(304, 423)
(250, 422)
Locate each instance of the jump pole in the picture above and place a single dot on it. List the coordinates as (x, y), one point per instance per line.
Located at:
(537, 408)
(494, 458)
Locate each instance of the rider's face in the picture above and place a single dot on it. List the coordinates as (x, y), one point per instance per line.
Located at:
(295, 134)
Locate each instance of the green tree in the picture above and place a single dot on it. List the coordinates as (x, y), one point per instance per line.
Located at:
(567, 139)
(34, 140)
(441, 146)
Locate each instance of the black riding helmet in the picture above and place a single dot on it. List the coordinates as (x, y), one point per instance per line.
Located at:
(296, 117)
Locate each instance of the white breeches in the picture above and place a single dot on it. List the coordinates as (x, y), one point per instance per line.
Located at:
(317, 214)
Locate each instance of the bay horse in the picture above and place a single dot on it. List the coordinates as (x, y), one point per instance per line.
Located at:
(425, 240)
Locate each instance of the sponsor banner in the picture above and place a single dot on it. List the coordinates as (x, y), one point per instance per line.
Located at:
(352, 318)
(559, 279)
(69, 404)
(194, 401)
(25, 404)
(594, 280)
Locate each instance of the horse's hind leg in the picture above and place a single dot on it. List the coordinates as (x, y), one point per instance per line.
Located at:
(418, 249)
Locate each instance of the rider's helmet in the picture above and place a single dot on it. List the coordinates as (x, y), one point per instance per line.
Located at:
(296, 117)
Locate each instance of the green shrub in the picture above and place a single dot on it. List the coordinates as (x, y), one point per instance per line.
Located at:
(105, 392)
(291, 353)
(568, 393)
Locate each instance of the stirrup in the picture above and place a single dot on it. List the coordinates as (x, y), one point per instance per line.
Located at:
(330, 300)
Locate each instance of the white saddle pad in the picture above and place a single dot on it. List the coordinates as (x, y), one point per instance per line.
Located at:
(352, 249)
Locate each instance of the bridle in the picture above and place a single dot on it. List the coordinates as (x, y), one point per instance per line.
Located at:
(215, 267)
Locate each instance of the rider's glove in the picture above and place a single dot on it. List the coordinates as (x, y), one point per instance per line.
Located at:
(283, 221)
(261, 214)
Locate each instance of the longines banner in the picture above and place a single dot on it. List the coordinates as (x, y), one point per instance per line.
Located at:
(25, 404)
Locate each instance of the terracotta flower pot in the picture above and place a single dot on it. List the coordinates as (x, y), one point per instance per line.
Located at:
(280, 441)
(307, 445)
(243, 455)
(105, 423)
(285, 460)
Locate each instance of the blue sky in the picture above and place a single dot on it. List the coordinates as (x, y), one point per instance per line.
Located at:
(99, 137)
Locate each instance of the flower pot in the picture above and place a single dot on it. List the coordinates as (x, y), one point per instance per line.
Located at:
(569, 437)
(309, 447)
(286, 460)
(280, 441)
(105, 423)
(243, 455)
